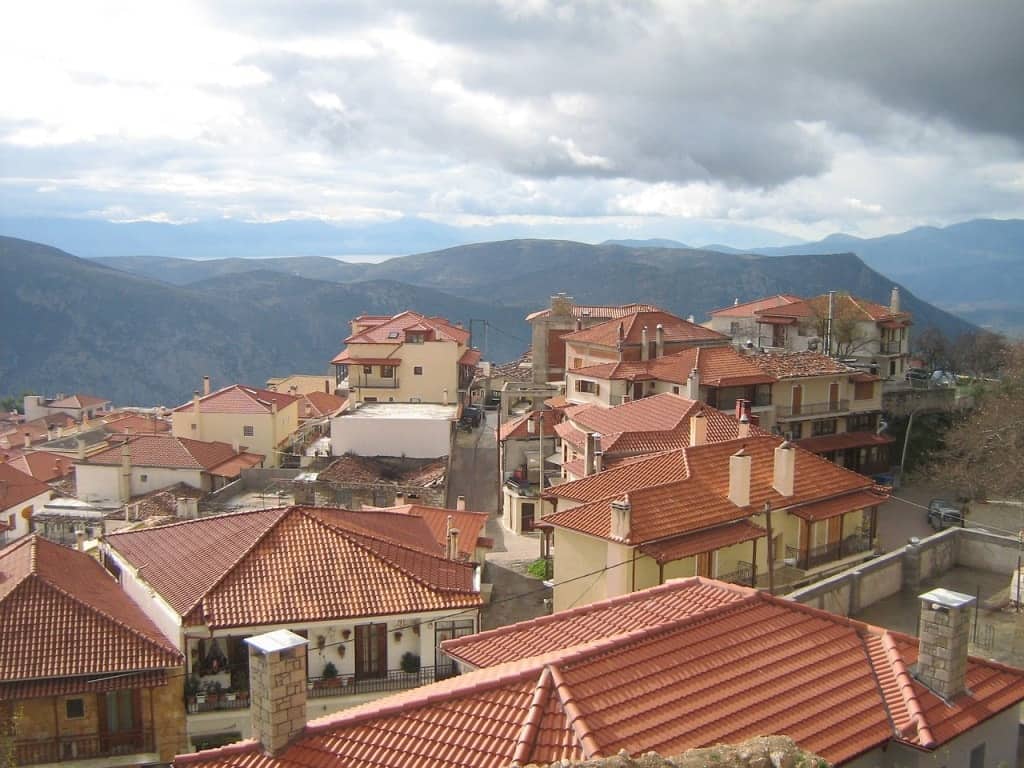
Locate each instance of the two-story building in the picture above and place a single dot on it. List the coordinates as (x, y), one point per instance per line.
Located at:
(85, 677)
(258, 420)
(408, 358)
(373, 592)
(79, 407)
(828, 408)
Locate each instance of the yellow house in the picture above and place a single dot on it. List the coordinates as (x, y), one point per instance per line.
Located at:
(704, 511)
(259, 420)
(828, 408)
(408, 358)
(302, 384)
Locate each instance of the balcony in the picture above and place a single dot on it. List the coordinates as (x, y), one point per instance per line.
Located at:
(805, 410)
(743, 575)
(67, 748)
(890, 347)
(828, 553)
(393, 680)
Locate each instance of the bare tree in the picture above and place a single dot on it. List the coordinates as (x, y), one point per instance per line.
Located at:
(933, 348)
(980, 353)
(848, 333)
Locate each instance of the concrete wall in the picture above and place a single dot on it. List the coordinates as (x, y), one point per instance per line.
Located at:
(99, 483)
(575, 555)
(154, 606)
(415, 438)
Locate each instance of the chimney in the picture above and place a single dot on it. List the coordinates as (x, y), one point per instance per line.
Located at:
(453, 543)
(531, 425)
(743, 429)
(273, 407)
(736, 301)
(693, 385)
(125, 484)
(621, 513)
(659, 340)
(698, 428)
(399, 499)
(944, 632)
(622, 332)
(784, 472)
(643, 344)
(739, 408)
(598, 460)
(80, 540)
(894, 300)
(206, 385)
(277, 688)
(460, 502)
(236, 446)
(80, 448)
(561, 304)
(591, 446)
(444, 397)
(579, 324)
(28, 439)
(739, 478)
(691, 319)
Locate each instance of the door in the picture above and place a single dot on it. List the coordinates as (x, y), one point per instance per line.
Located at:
(638, 390)
(778, 335)
(833, 396)
(704, 565)
(798, 396)
(527, 513)
(444, 665)
(120, 722)
(835, 535)
(371, 651)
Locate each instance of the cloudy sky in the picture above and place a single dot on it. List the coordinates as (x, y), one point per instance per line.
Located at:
(585, 118)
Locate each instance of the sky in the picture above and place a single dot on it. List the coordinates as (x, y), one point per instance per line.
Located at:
(757, 120)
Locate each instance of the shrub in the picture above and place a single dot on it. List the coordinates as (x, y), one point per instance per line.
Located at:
(330, 671)
(410, 662)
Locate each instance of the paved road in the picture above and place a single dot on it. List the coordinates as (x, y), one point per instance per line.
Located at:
(474, 472)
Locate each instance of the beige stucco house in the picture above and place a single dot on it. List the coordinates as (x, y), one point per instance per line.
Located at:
(408, 358)
(20, 496)
(258, 420)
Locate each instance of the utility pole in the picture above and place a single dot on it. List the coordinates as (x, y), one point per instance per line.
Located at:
(906, 440)
(771, 547)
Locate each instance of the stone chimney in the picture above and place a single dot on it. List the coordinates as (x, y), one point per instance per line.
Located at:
(693, 385)
(659, 340)
(460, 503)
(739, 478)
(784, 470)
(894, 300)
(80, 448)
(125, 478)
(698, 428)
(621, 513)
(561, 305)
(644, 350)
(944, 631)
(206, 385)
(277, 688)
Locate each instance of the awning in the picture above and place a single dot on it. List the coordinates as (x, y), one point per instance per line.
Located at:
(843, 440)
(777, 320)
(346, 359)
(823, 510)
(707, 540)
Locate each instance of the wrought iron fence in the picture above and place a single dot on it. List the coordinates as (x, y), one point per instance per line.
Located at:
(68, 748)
(392, 680)
(744, 574)
(827, 553)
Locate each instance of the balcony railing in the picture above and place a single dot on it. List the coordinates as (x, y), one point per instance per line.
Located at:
(890, 347)
(67, 748)
(216, 702)
(815, 556)
(811, 409)
(744, 574)
(393, 680)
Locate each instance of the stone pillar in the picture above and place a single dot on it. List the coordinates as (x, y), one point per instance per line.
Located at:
(277, 688)
(944, 634)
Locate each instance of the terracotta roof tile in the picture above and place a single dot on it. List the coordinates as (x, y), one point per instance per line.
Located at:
(843, 440)
(656, 469)
(239, 398)
(319, 404)
(823, 510)
(49, 594)
(845, 306)
(791, 365)
(605, 312)
(370, 469)
(704, 540)
(78, 401)
(43, 466)
(408, 320)
(518, 427)
(717, 366)
(296, 564)
(16, 487)
(134, 422)
(470, 525)
(676, 329)
(748, 308)
(164, 450)
(687, 676)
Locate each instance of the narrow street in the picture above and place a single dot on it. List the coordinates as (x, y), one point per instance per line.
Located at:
(516, 596)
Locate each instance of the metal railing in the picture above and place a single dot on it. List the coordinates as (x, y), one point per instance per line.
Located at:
(67, 748)
(811, 409)
(392, 680)
(744, 574)
(215, 702)
(890, 347)
(827, 553)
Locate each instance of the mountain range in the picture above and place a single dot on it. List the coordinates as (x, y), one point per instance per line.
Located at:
(146, 331)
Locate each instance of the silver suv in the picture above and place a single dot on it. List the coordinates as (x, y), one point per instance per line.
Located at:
(944, 514)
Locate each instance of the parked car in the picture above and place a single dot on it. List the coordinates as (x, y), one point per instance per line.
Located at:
(493, 401)
(943, 379)
(917, 375)
(472, 416)
(943, 513)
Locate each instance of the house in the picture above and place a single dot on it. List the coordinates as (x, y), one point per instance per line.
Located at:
(549, 326)
(710, 509)
(320, 405)
(84, 674)
(718, 376)
(526, 446)
(373, 592)
(78, 407)
(693, 663)
(408, 358)
(636, 337)
(354, 482)
(33, 432)
(462, 528)
(873, 336)
(20, 496)
(828, 408)
(138, 464)
(44, 466)
(739, 321)
(417, 430)
(259, 420)
(302, 384)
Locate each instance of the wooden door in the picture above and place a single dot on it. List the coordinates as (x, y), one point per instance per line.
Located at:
(638, 390)
(833, 396)
(704, 565)
(120, 721)
(371, 651)
(798, 396)
(835, 535)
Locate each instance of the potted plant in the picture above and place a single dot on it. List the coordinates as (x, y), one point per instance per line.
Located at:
(192, 691)
(398, 636)
(346, 634)
(410, 662)
(330, 675)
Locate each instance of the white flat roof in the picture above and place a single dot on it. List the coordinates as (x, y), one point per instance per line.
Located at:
(426, 411)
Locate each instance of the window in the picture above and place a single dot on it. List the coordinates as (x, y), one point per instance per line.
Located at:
(371, 651)
(392, 334)
(369, 399)
(577, 362)
(591, 387)
(368, 370)
(414, 338)
(824, 427)
(448, 630)
(387, 371)
(862, 422)
(675, 390)
(763, 394)
(417, 370)
(863, 390)
(248, 430)
(193, 425)
(143, 478)
(796, 430)
(734, 327)
(978, 756)
(74, 708)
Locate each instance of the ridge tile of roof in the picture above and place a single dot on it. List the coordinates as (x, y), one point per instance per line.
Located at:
(748, 308)
(409, 320)
(166, 450)
(43, 465)
(239, 398)
(676, 329)
(604, 311)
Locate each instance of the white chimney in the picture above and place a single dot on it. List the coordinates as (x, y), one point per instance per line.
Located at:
(598, 459)
(944, 632)
(277, 688)
(206, 385)
(453, 543)
(894, 300)
(531, 425)
(739, 478)
(125, 484)
(460, 502)
(691, 319)
(399, 499)
(621, 510)
(590, 447)
(698, 428)
(181, 507)
(743, 428)
(80, 540)
(444, 397)
(643, 344)
(784, 471)
(659, 340)
(693, 385)
(236, 446)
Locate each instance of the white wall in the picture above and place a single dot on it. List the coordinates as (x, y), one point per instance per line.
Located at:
(154, 606)
(94, 482)
(21, 523)
(414, 438)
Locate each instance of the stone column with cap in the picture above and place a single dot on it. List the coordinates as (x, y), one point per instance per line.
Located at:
(944, 634)
(277, 688)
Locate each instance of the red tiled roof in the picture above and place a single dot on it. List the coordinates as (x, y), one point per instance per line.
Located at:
(345, 358)
(656, 469)
(296, 564)
(823, 510)
(518, 427)
(470, 357)
(599, 311)
(43, 465)
(706, 540)
(125, 422)
(319, 404)
(734, 670)
(78, 401)
(69, 686)
(443, 329)
(790, 365)
(375, 469)
(239, 398)
(63, 615)
(164, 450)
(717, 366)
(844, 305)
(675, 330)
(16, 487)
(470, 525)
(748, 308)
(843, 440)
